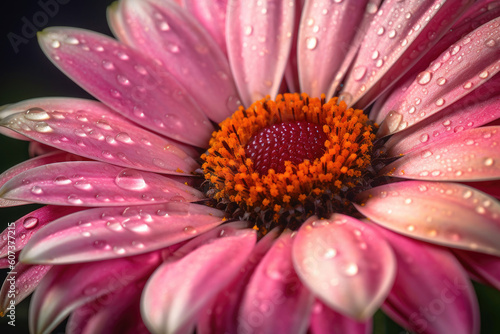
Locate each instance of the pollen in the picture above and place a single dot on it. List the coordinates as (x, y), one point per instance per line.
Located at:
(280, 161)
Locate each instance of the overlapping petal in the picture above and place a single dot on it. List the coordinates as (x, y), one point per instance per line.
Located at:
(275, 300)
(106, 233)
(178, 291)
(447, 214)
(484, 266)
(472, 155)
(128, 82)
(259, 37)
(324, 320)
(90, 183)
(345, 262)
(444, 301)
(90, 129)
(65, 288)
(169, 34)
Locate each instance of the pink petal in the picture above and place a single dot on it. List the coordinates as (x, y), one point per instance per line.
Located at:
(484, 266)
(275, 300)
(17, 234)
(20, 283)
(29, 164)
(472, 111)
(89, 183)
(222, 315)
(90, 129)
(127, 82)
(177, 291)
(346, 263)
(444, 301)
(400, 34)
(472, 155)
(212, 16)
(169, 34)
(114, 313)
(492, 188)
(107, 233)
(461, 69)
(65, 288)
(326, 321)
(291, 69)
(258, 36)
(324, 42)
(435, 212)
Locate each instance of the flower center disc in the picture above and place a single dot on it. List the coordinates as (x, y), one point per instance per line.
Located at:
(279, 162)
(294, 142)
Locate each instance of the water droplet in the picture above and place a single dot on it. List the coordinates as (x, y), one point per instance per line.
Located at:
(86, 234)
(380, 31)
(190, 230)
(55, 44)
(36, 114)
(122, 55)
(43, 127)
(359, 72)
(136, 226)
(173, 48)
(122, 80)
(480, 210)
(424, 77)
(248, 30)
(130, 179)
(426, 154)
(467, 194)
(375, 54)
(483, 74)
(489, 162)
(36, 190)
(73, 199)
(351, 269)
(490, 42)
(371, 8)
(119, 250)
(164, 26)
(455, 50)
(311, 43)
(440, 102)
(123, 137)
(441, 81)
(410, 228)
(467, 85)
(392, 33)
(61, 180)
(424, 137)
(408, 201)
(30, 222)
(82, 185)
(330, 253)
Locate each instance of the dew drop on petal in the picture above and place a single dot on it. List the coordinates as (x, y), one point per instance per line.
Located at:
(43, 127)
(489, 162)
(351, 269)
(123, 137)
(36, 190)
(189, 230)
(424, 77)
(130, 179)
(73, 199)
(30, 222)
(311, 43)
(61, 180)
(330, 253)
(36, 114)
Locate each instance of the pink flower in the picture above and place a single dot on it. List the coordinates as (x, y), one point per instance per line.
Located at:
(395, 216)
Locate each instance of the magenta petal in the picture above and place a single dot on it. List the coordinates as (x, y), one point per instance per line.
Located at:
(400, 34)
(461, 69)
(346, 263)
(472, 111)
(25, 227)
(222, 315)
(444, 301)
(65, 288)
(484, 266)
(327, 29)
(212, 16)
(29, 164)
(472, 155)
(127, 82)
(23, 279)
(90, 129)
(435, 212)
(107, 233)
(89, 183)
(326, 321)
(170, 35)
(276, 301)
(258, 36)
(177, 291)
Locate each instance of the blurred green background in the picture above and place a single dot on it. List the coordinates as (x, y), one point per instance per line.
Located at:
(26, 73)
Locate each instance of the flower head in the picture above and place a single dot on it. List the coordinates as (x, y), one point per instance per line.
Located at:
(262, 166)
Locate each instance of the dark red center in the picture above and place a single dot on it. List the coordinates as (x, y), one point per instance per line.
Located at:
(294, 141)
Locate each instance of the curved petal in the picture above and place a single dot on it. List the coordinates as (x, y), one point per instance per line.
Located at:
(346, 263)
(167, 33)
(90, 129)
(212, 16)
(472, 155)
(23, 279)
(460, 70)
(89, 183)
(492, 188)
(444, 302)
(115, 313)
(25, 227)
(222, 315)
(107, 233)
(400, 34)
(128, 82)
(177, 291)
(447, 214)
(326, 321)
(275, 300)
(472, 111)
(258, 36)
(29, 164)
(327, 29)
(65, 288)
(484, 266)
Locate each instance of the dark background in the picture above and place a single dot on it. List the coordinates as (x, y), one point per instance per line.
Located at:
(26, 73)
